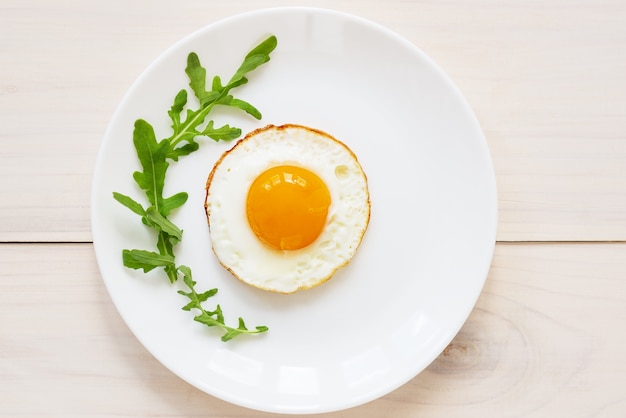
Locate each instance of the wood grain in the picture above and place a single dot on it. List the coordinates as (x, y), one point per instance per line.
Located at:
(542, 341)
(546, 80)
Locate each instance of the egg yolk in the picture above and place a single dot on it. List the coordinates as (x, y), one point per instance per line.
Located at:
(287, 207)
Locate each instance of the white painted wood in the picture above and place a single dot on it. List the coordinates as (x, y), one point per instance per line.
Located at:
(546, 80)
(545, 339)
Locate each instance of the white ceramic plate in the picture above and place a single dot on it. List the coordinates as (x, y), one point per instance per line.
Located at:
(424, 259)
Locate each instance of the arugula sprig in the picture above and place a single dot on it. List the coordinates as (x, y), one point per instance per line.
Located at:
(155, 156)
(212, 318)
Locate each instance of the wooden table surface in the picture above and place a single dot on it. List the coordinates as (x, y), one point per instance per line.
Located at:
(547, 81)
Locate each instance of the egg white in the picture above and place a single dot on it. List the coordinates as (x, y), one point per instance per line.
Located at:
(240, 251)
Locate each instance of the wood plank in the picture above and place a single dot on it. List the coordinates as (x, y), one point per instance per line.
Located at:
(545, 82)
(543, 340)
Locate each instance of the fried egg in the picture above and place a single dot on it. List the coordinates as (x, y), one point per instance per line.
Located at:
(286, 206)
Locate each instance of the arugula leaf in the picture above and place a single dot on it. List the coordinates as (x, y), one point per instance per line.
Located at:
(152, 156)
(197, 80)
(224, 133)
(258, 56)
(173, 202)
(163, 224)
(155, 156)
(146, 260)
(130, 203)
(179, 104)
(246, 107)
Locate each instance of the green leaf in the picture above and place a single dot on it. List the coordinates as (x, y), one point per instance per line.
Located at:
(197, 77)
(173, 202)
(234, 84)
(242, 325)
(258, 56)
(191, 305)
(218, 314)
(129, 203)
(217, 83)
(186, 272)
(246, 107)
(204, 296)
(152, 156)
(264, 48)
(195, 298)
(146, 260)
(163, 224)
(224, 133)
(186, 149)
(208, 320)
(230, 334)
(179, 103)
(197, 81)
